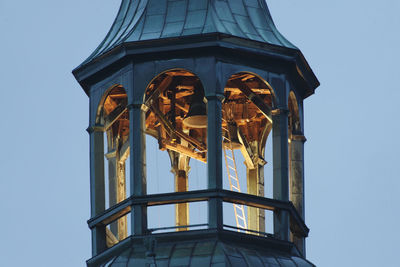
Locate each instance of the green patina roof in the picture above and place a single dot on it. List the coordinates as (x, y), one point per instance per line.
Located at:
(140, 20)
(205, 253)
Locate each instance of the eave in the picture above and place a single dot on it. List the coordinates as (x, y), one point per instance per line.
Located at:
(291, 61)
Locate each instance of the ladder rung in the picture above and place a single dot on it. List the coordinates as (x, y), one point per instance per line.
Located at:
(240, 217)
(230, 167)
(240, 208)
(237, 184)
(229, 157)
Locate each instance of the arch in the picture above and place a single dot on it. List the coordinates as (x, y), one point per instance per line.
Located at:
(251, 112)
(106, 94)
(294, 115)
(148, 71)
(230, 71)
(176, 115)
(168, 98)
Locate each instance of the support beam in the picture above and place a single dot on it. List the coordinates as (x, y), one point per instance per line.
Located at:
(181, 210)
(255, 186)
(180, 168)
(246, 150)
(124, 151)
(255, 99)
(138, 167)
(297, 182)
(117, 184)
(214, 159)
(281, 172)
(163, 85)
(184, 150)
(114, 115)
(121, 196)
(172, 131)
(97, 185)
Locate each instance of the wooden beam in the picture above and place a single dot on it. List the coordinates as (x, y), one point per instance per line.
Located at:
(246, 150)
(255, 99)
(110, 237)
(124, 151)
(163, 85)
(184, 150)
(114, 115)
(263, 91)
(182, 107)
(172, 131)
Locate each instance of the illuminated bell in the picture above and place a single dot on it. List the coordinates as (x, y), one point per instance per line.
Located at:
(233, 135)
(197, 115)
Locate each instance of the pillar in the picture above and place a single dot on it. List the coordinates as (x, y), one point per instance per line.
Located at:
(281, 171)
(116, 183)
(297, 182)
(138, 167)
(255, 186)
(180, 169)
(111, 157)
(214, 159)
(97, 185)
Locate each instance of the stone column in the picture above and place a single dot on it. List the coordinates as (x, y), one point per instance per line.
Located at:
(180, 169)
(137, 141)
(112, 177)
(214, 158)
(121, 195)
(255, 186)
(297, 182)
(97, 185)
(281, 171)
(116, 183)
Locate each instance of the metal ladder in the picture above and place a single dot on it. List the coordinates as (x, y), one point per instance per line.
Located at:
(234, 184)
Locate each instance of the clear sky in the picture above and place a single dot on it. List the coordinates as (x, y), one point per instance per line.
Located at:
(352, 169)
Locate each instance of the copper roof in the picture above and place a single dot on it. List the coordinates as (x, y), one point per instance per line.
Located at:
(140, 20)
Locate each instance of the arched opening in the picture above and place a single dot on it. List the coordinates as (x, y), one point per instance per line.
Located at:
(246, 124)
(176, 129)
(114, 117)
(294, 116)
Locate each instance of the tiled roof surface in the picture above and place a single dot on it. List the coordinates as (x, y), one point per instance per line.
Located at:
(140, 20)
(204, 253)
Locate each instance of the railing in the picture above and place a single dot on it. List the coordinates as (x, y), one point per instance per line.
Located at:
(297, 225)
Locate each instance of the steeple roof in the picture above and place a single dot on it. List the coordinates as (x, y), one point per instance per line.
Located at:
(143, 20)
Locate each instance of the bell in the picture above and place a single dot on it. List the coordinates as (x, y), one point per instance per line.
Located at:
(197, 115)
(231, 140)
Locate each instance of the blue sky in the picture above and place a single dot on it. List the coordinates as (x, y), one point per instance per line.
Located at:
(352, 180)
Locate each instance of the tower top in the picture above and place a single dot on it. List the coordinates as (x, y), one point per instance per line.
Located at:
(204, 78)
(143, 20)
(144, 27)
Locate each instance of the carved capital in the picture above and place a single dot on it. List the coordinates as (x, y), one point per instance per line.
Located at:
(299, 137)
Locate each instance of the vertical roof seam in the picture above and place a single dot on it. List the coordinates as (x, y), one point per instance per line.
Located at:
(205, 19)
(101, 46)
(212, 17)
(122, 36)
(120, 27)
(251, 21)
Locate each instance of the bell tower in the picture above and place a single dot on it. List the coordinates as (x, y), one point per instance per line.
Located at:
(213, 82)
